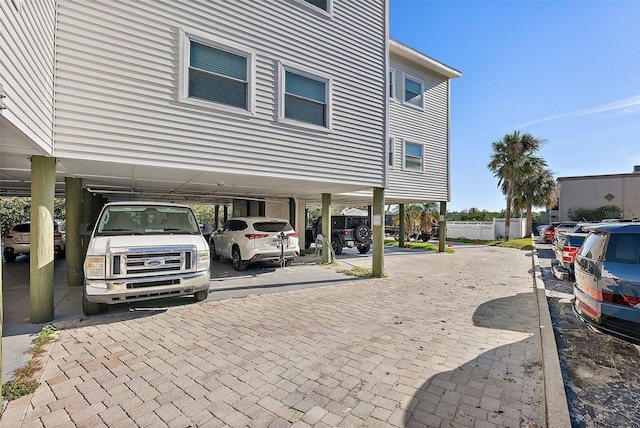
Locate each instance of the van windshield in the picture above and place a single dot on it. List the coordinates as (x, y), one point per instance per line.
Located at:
(146, 220)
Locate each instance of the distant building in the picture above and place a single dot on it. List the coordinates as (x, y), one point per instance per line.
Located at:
(595, 191)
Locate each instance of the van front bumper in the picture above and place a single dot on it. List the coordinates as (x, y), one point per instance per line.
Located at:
(145, 288)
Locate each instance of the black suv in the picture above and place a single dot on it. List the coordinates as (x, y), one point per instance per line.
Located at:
(346, 231)
(607, 285)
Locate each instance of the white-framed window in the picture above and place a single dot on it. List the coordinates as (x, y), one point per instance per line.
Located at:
(322, 4)
(323, 7)
(413, 156)
(217, 73)
(392, 83)
(413, 91)
(390, 151)
(304, 97)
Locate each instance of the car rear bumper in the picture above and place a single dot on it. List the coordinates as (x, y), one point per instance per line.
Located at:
(136, 289)
(618, 320)
(273, 256)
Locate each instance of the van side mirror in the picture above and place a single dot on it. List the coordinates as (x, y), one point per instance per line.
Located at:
(207, 229)
(85, 229)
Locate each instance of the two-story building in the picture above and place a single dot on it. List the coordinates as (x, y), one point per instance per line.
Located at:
(266, 105)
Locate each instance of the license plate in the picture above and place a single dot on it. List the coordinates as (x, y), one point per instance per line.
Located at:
(277, 242)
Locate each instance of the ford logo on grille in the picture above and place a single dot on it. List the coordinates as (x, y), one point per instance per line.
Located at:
(154, 262)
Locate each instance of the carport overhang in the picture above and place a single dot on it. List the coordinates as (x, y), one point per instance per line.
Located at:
(124, 181)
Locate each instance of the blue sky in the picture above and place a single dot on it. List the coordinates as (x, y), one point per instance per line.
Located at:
(565, 71)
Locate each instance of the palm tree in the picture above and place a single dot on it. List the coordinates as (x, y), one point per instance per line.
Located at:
(509, 161)
(421, 216)
(537, 188)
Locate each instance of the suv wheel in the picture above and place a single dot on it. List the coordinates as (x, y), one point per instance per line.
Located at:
(236, 259)
(10, 257)
(214, 255)
(361, 233)
(363, 249)
(337, 245)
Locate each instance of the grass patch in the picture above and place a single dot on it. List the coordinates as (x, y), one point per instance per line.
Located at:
(23, 383)
(359, 272)
(424, 246)
(520, 244)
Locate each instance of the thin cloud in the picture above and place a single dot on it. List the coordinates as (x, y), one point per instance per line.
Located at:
(622, 106)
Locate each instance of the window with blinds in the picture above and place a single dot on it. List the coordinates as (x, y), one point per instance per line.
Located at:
(217, 75)
(412, 92)
(305, 99)
(413, 156)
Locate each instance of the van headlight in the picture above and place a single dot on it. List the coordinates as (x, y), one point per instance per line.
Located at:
(94, 267)
(203, 260)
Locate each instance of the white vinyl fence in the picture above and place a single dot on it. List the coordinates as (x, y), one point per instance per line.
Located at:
(486, 230)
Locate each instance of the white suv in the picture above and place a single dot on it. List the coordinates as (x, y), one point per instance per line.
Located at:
(18, 241)
(247, 240)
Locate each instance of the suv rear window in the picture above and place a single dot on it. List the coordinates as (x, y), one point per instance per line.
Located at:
(624, 248)
(23, 227)
(593, 247)
(272, 226)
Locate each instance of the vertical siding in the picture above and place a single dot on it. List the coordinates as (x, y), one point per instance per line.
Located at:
(117, 87)
(26, 67)
(430, 127)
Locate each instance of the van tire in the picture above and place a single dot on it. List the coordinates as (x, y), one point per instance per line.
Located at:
(91, 308)
(201, 295)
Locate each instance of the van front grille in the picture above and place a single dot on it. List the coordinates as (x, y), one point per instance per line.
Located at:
(148, 262)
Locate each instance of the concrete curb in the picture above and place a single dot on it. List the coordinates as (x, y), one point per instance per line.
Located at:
(556, 405)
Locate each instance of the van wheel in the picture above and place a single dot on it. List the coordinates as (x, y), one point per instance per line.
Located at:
(236, 259)
(91, 308)
(201, 295)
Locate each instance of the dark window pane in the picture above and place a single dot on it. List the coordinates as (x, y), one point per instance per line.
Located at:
(412, 92)
(272, 226)
(322, 4)
(305, 87)
(304, 110)
(210, 87)
(218, 61)
(624, 248)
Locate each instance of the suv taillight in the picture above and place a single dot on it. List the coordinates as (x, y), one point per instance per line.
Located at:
(9, 235)
(256, 235)
(569, 253)
(57, 235)
(294, 234)
(345, 233)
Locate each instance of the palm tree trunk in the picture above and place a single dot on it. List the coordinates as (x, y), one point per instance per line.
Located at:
(528, 232)
(507, 213)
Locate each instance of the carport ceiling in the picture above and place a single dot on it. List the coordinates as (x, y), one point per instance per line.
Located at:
(119, 181)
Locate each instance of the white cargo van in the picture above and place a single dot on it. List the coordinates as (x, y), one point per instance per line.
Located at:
(144, 250)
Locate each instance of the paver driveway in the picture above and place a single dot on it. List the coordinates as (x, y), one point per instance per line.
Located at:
(444, 340)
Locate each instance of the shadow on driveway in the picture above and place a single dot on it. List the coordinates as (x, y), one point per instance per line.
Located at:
(495, 386)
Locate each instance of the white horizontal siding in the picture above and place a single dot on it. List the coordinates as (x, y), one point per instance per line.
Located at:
(26, 67)
(117, 88)
(429, 127)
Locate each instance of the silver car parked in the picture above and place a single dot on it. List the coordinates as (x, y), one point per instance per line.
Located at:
(607, 284)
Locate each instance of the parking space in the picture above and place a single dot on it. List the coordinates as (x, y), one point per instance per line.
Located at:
(443, 340)
(601, 373)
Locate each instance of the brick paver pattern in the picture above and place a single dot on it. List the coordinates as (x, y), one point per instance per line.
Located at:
(445, 340)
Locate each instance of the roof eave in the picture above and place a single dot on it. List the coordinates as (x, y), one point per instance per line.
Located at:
(410, 54)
